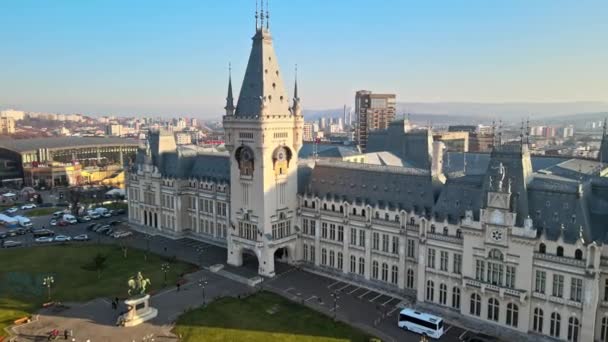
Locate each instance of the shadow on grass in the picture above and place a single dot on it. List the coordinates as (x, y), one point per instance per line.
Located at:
(261, 317)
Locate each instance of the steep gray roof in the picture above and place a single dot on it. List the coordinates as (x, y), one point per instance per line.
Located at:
(414, 147)
(262, 85)
(385, 186)
(459, 194)
(214, 166)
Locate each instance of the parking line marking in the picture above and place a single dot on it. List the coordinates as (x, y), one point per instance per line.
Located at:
(448, 328)
(310, 298)
(378, 296)
(462, 335)
(353, 291)
(393, 310)
(343, 287)
(361, 296)
(390, 300)
(289, 289)
(332, 284)
(332, 308)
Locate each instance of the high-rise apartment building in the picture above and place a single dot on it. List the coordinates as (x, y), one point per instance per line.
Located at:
(7, 125)
(307, 131)
(114, 130)
(374, 112)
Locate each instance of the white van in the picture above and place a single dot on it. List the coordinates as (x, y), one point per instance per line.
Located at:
(24, 221)
(71, 219)
(421, 323)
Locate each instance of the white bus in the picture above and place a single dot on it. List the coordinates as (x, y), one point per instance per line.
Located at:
(421, 323)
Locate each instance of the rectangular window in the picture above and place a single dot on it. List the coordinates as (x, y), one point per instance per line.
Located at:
(540, 283)
(395, 245)
(362, 238)
(457, 264)
(353, 236)
(332, 231)
(324, 230)
(313, 255)
(606, 290)
(576, 289)
(430, 261)
(411, 248)
(340, 233)
(510, 277)
(558, 285)
(376, 241)
(479, 270)
(313, 227)
(385, 241)
(305, 226)
(443, 261)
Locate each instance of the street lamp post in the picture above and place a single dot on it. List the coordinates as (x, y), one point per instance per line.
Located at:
(199, 252)
(48, 282)
(335, 295)
(202, 283)
(147, 237)
(165, 268)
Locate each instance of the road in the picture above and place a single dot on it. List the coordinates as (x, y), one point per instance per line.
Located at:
(357, 305)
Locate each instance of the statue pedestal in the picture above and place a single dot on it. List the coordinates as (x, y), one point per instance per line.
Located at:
(139, 311)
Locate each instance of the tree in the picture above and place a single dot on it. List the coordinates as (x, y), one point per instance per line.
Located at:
(99, 263)
(74, 198)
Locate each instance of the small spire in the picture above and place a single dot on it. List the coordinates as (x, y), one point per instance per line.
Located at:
(229, 99)
(267, 16)
(295, 88)
(262, 14)
(256, 15)
(296, 109)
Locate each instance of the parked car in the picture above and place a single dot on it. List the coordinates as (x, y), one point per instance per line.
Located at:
(58, 214)
(115, 223)
(94, 216)
(83, 219)
(121, 234)
(12, 210)
(81, 237)
(106, 214)
(482, 338)
(11, 243)
(92, 226)
(53, 222)
(43, 232)
(44, 239)
(63, 223)
(3, 235)
(62, 238)
(28, 206)
(120, 212)
(109, 232)
(102, 229)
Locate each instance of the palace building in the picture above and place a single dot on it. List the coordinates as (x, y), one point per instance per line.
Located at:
(513, 240)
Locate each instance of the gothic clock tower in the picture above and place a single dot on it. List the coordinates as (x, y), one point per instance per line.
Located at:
(263, 135)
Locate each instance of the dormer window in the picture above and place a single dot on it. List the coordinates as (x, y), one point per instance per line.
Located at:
(432, 229)
(578, 254)
(445, 231)
(542, 248)
(560, 251)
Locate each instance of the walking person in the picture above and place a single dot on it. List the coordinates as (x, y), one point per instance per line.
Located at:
(65, 334)
(178, 286)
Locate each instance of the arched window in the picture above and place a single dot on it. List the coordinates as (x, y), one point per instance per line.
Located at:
(475, 306)
(305, 203)
(578, 254)
(375, 269)
(394, 274)
(384, 272)
(396, 218)
(410, 278)
(332, 258)
(361, 266)
(305, 250)
(443, 294)
(604, 330)
(573, 329)
(537, 324)
(314, 204)
(323, 256)
(353, 264)
(456, 297)
(340, 261)
(412, 221)
(430, 291)
(493, 309)
(377, 215)
(324, 206)
(386, 216)
(363, 212)
(554, 327)
(445, 231)
(459, 233)
(542, 248)
(354, 211)
(432, 229)
(333, 207)
(560, 251)
(341, 209)
(512, 314)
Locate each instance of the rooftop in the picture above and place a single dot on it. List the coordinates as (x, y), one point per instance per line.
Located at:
(25, 145)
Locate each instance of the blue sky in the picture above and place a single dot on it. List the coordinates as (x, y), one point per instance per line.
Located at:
(170, 57)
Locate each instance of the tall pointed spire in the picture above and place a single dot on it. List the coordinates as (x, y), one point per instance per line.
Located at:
(262, 15)
(229, 99)
(256, 15)
(603, 153)
(296, 109)
(267, 16)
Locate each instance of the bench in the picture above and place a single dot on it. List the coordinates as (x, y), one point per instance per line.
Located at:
(21, 320)
(47, 304)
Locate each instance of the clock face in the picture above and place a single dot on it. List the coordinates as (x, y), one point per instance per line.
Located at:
(497, 235)
(246, 155)
(281, 155)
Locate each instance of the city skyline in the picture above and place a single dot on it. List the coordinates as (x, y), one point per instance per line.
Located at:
(135, 59)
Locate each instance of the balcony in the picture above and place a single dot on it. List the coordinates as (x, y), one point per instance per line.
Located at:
(386, 223)
(560, 260)
(332, 213)
(275, 242)
(247, 242)
(413, 227)
(446, 238)
(500, 290)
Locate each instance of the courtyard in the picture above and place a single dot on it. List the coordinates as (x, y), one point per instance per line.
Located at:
(76, 277)
(263, 316)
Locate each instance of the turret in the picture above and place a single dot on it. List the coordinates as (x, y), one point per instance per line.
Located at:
(229, 99)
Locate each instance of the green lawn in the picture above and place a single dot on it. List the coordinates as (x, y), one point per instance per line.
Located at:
(22, 271)
(116, 206)
(262, 317)
(41, 211)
